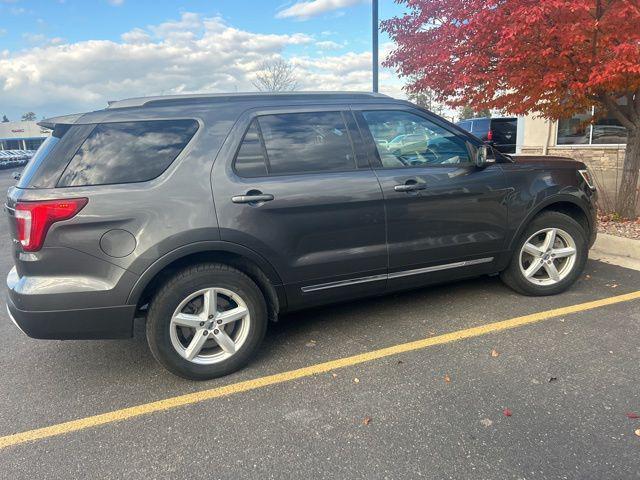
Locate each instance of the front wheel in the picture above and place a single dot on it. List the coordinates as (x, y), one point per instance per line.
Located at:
(549, 256)
(206, 321)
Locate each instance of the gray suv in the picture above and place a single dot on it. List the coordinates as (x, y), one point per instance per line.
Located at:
(210, 215)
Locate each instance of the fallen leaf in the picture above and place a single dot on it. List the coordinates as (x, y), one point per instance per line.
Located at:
(356, 380)
(334, 375)
(431, 332)
(447, 379)
(486, 422)
(612, 285)
(587, 276)
(495, 353)
(632, 416)
(400, 362)
(553, 379)
(507, 412)
(311, 343)
(367, 420)
(637, 432)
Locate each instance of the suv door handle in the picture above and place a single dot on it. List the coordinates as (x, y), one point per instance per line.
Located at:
(251, 197)
(409, 187)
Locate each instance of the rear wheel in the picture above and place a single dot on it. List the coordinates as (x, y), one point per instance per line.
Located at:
(207, 321)
(549, 256)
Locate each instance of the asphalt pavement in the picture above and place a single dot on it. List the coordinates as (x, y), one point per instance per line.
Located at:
(550, 399)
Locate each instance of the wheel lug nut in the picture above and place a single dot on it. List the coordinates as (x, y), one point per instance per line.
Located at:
(205, 333)
(201, 324)
(210, 317)
(219, 322)
(215, 332)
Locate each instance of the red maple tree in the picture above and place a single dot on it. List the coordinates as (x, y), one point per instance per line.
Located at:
(555, 58)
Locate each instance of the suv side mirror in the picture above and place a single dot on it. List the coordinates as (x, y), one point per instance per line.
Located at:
(481, 156)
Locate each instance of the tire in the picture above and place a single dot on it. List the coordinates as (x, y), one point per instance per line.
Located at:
(569, 234)
(173, 321)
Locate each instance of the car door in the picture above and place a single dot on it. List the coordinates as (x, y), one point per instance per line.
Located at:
(445, 216)
(297, 189)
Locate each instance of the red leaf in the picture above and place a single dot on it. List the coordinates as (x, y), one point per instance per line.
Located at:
(632, 415)
(507, 412)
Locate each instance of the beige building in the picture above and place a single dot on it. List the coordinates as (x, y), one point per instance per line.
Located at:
(601, 146)
(22, 135)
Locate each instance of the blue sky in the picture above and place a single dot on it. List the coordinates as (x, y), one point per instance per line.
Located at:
(59, 56)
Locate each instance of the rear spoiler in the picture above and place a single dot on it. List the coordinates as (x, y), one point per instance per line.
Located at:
(51, 123)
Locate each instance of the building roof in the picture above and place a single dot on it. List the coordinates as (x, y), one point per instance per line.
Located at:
(248, 96)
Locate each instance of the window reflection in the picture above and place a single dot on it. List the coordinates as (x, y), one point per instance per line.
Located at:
(407, 140)
(127, 152)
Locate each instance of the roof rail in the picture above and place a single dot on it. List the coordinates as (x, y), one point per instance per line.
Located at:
(231, 97)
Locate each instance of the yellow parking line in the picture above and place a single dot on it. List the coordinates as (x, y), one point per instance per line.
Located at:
(191, 398)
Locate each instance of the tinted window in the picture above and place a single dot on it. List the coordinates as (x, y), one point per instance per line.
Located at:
(504, 130)
(127, 152)
(480, 127)
(306, 142)
(465, 125)
(407, 140)
(250, 161)
(45, 167)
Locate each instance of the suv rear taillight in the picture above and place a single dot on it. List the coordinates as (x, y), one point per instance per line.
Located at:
(33, 219)
(490, 135)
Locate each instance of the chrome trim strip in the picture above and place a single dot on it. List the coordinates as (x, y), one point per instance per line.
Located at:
(14, 320)
(405, 273)
(344, 283)
(436, 268)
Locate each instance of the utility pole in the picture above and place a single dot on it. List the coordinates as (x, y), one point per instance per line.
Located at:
(374, 41)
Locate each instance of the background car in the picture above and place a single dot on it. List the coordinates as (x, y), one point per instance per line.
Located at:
(499, 132)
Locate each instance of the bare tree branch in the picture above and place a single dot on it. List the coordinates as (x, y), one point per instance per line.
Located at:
(276, 76)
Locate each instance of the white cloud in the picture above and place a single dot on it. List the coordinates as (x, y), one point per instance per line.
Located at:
(115, 3)
(312, 8)
(190, 55)
(328, 45)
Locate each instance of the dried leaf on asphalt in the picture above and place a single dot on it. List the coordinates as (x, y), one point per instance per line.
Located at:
(637, 432)
(334, 375)
(632, 415)
(447, 379)
(587, 276)
(553, 379)
(400, 362)
(356, 380)
(311, 343)
(495, 353)
(367, 420)
(507, 412)
(612, 285)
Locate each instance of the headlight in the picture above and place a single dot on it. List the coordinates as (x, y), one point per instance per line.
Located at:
(586, 175)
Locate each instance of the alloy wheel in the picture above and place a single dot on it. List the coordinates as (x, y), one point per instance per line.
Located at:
(210, 325)
(548, 256)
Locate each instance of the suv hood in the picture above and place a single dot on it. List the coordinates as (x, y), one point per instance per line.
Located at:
(546, 161)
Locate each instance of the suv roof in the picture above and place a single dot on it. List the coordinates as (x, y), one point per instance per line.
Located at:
(247, 96)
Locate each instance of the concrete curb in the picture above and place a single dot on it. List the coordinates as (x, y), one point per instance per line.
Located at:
(617, 246)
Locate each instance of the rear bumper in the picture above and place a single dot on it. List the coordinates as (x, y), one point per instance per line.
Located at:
(39, 306)
(93, 323)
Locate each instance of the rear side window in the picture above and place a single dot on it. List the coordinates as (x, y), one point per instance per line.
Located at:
(297, 143)
(127, 152)
(250, 161)
(44, 168)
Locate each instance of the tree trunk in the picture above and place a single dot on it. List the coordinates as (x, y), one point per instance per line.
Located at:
(628, 193)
